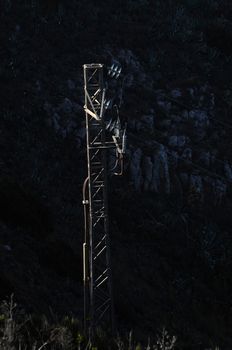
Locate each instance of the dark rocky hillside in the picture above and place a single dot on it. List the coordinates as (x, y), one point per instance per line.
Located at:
(171, 212)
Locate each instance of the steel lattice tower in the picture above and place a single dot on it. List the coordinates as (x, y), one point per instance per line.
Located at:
(102, 133)
(98, 299)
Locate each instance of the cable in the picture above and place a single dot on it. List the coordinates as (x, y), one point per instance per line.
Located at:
(85, 203)
(85, 257)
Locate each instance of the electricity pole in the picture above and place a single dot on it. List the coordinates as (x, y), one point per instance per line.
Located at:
(98, 295)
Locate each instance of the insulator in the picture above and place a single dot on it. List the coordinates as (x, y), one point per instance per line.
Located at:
(117, 128)
(108, 124)
(118, 73)
(116, 132)
(111, 70)
(107, 104)
(112, 125)
(114, 71)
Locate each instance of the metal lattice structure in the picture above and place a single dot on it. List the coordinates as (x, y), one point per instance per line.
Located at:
(98, 296)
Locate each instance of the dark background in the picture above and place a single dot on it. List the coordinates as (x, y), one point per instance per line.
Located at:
(171, 212)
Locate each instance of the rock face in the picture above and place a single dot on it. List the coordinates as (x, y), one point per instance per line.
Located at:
(147, 171)
(135, 73)
(196, 183)
(160, 175)
(63, 119)
(180, 131)
(228, 171)
(178, 141)
(135, 168)
(150, 173)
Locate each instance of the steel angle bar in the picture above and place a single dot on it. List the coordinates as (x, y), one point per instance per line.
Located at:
(95, 154)
(103, 147)
(101, 185)
(95, 116)
(102, 305)
(99, 246)
(96, 105)
(98, 201)
(98, 175)
(102, 314)
(99, 253)
(97, 216)
(98, 208)
(96, 167)
(95, 125)
(111, 143)
(99, 276)
(101, 294)
(96, 137)
(93, 74)
(103, 238)
(94, 96)
(91, 103)
(101, 282)
(103, 273)
(89, 100)
(97, 192)
(98, 219)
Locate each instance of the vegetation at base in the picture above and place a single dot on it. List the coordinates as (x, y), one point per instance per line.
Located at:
(19, 331)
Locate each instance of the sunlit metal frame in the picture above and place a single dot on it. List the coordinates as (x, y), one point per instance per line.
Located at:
(98, 296)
